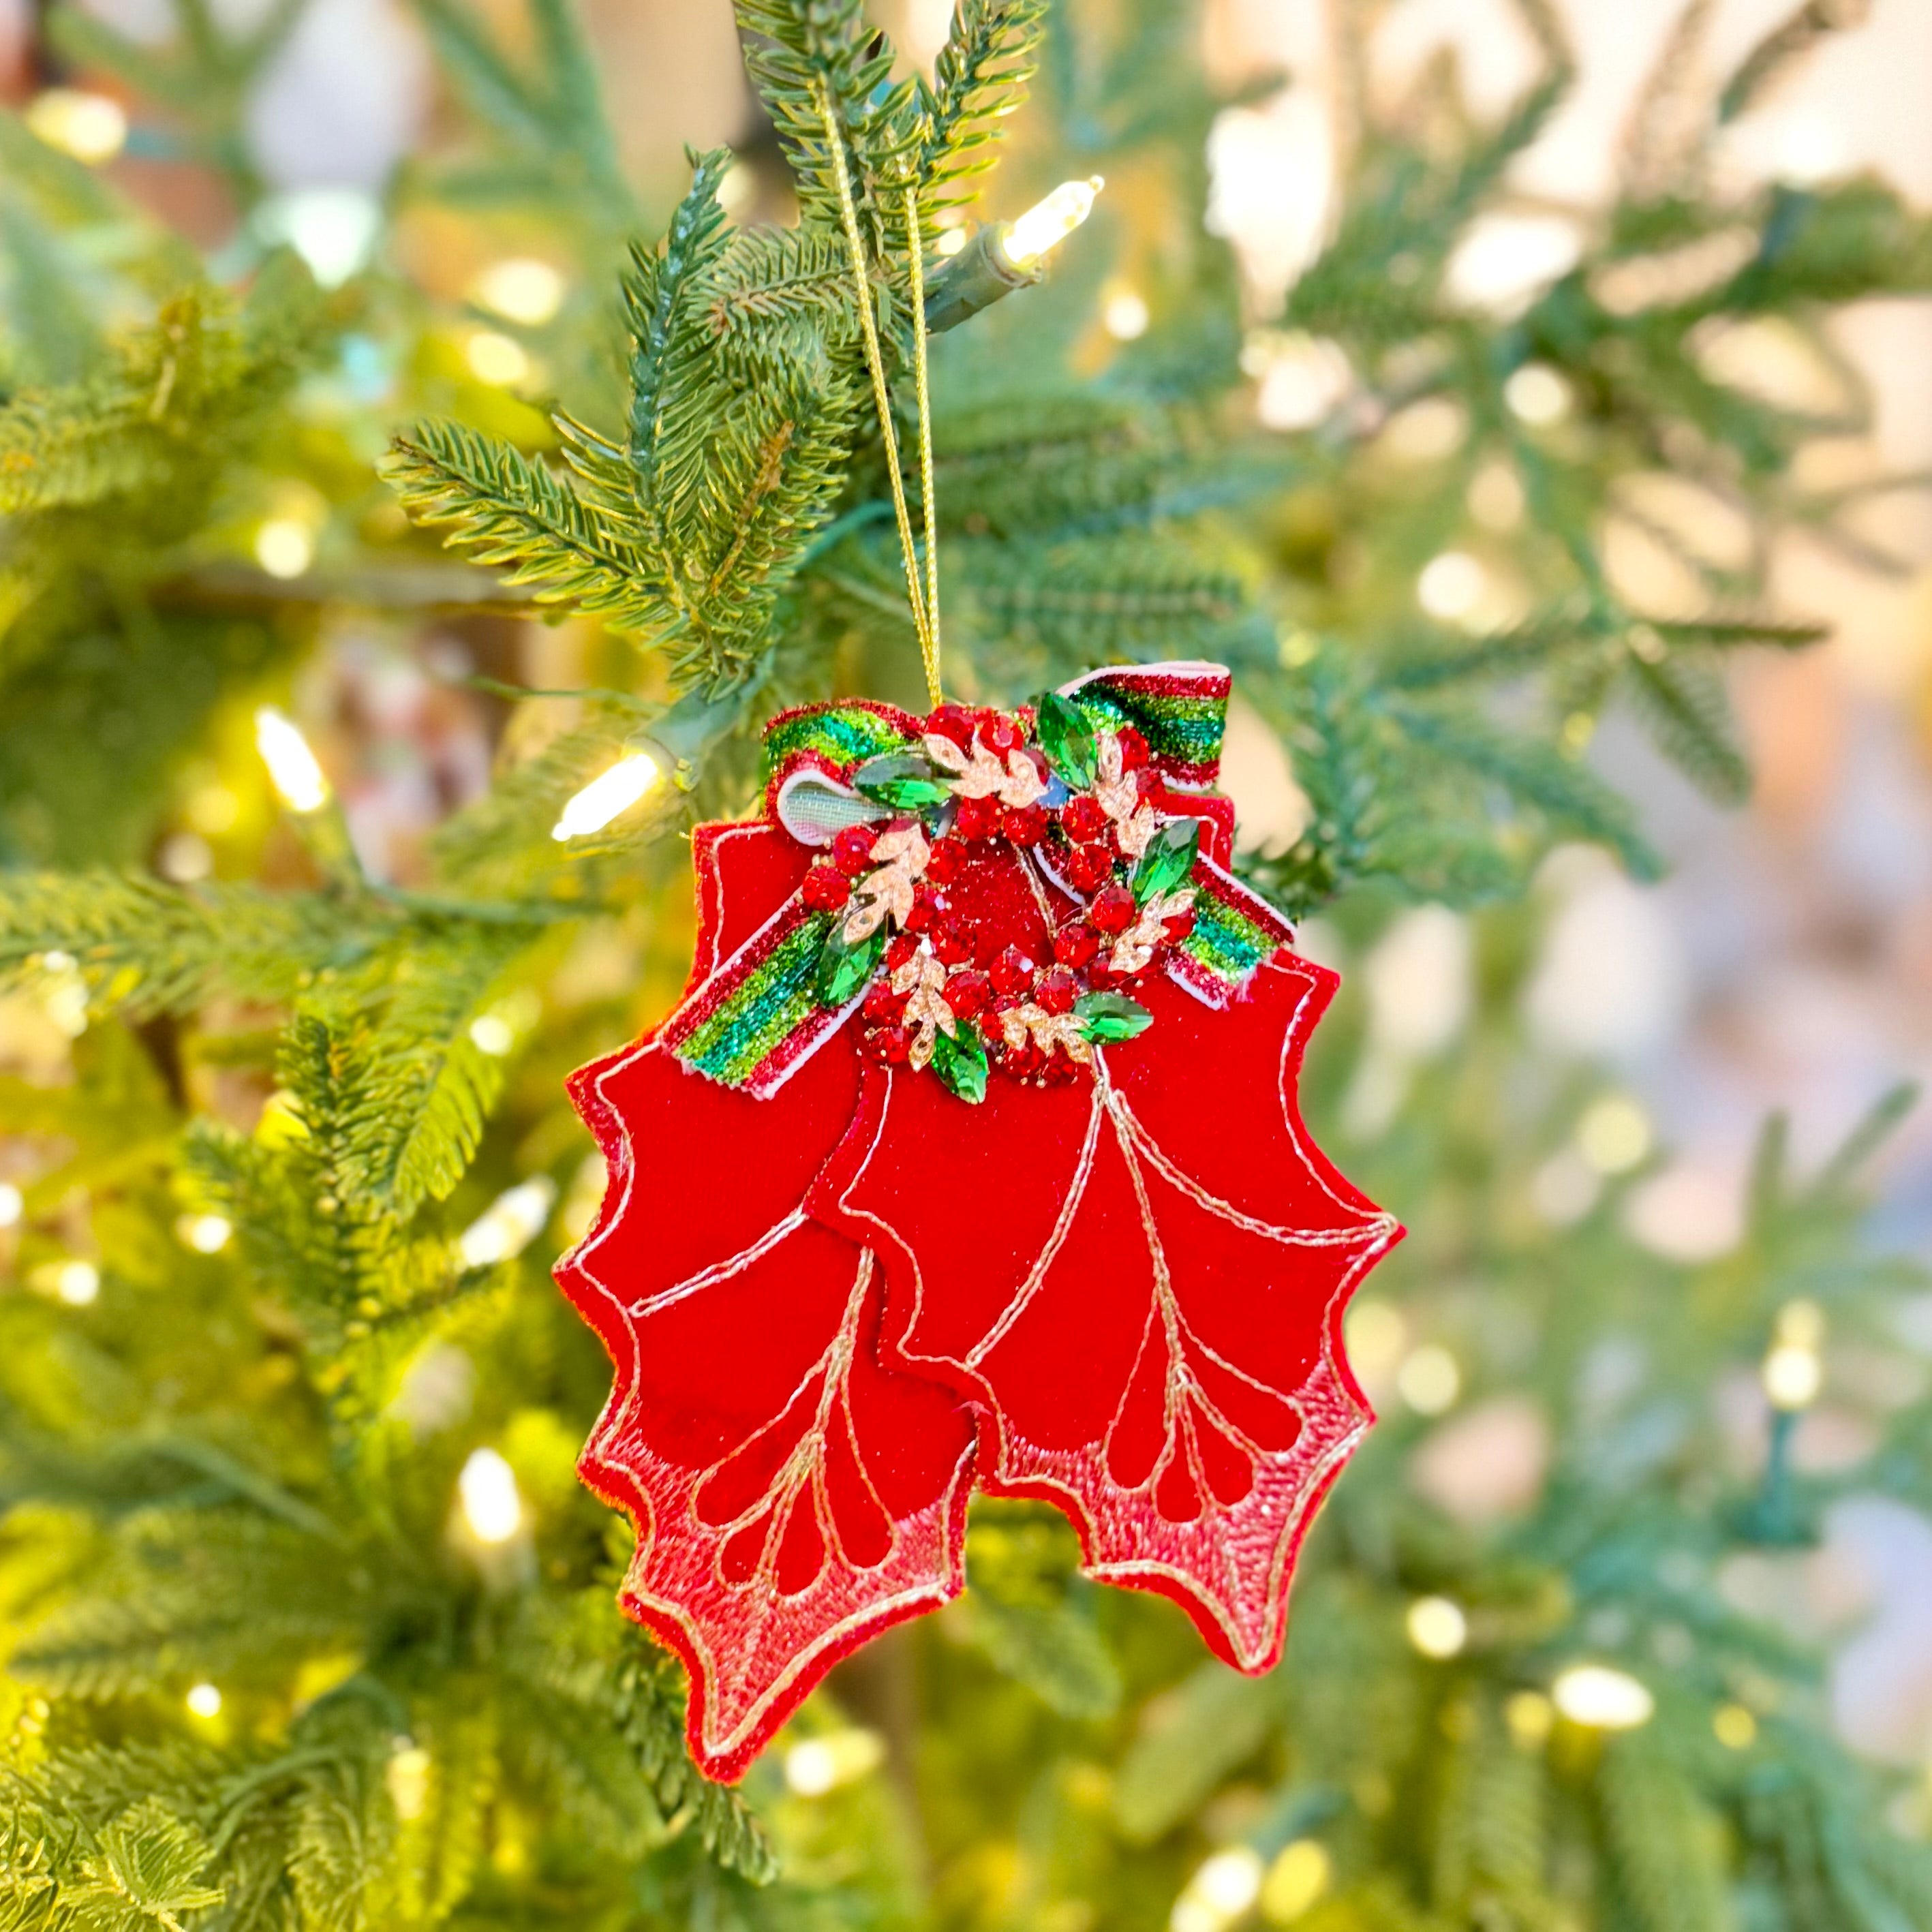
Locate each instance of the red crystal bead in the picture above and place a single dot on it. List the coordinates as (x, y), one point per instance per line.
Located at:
(901, 948)
(852, 850)
(1113, 909)
(826, 888)
(1082, 819)
(1089, 868)
(967, 993)
(1026, 826)
(978, 818)
(954, 721)
(1075, 944)
(1022, 1061)
(942, 861)
(1133, 748)
(1001, 734)
(1012, 971)
(1056, 990)
(895, 1044)
(882, 1006)
(949, 947)
(920, 914)
(1181, 924)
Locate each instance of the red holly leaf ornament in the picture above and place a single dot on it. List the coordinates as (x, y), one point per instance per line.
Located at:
(793, 1496)
(1138, 1278)
(978, 1118)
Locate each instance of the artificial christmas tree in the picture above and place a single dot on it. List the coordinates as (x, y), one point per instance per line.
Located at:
(306, 1620)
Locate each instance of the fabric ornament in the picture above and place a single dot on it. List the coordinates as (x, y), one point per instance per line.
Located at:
(970, 1157)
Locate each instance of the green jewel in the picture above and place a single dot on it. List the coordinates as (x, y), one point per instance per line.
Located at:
(1067, 739)
(844, 966)
(1169, 859)
(959, 1059)
(903, 780)
(1108, 1017)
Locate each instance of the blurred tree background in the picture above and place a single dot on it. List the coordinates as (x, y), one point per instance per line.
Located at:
(1484, 493)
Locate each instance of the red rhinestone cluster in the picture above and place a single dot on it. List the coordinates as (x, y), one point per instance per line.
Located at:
(1074, 841)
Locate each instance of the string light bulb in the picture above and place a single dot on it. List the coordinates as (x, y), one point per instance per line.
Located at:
(487, 1490)
(1594, 1694)
(1793, 1376)
(206, 1233)
(509, 1224)
(91, 127)
(205, 1701)
(77, 1283)
(521, 289)
(1221, 1890)
(1794, 1369)
(293, 769)
(284, 547)
(1437, 1627)
(1047, 223)
(600, 801)
(822, 1764)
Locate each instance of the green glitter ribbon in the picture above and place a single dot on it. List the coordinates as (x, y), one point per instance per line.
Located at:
(838, 738)
(1181, 711)
(756, 1018)
(1235, 930)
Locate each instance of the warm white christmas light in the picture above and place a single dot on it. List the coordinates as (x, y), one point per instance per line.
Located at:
(12, 1203)
(333, 229)
(77, 1283)
(1614, 1136)
(820, 1765)
(1046, 225)
(1124, 315)
(498, 360)
(1793, 1374)
(1603, 1699)
(1437, 1627)
(205, 1701)
(90, 127)
(491, 1034)
(604, 798)
(1537, 395)
(1801, 1324)
(206, 1234)
(509, 1224)
(1451, 585)
(487, 1490)
(406, 1775)
(521, 289)
(1220, 1891)
(283, 547)
(292, 766)
(1429, 1380)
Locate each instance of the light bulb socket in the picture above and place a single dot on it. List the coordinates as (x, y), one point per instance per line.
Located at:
(681, 738)
(980, 274)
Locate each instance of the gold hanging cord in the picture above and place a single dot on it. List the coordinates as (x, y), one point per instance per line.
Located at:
(925, 600)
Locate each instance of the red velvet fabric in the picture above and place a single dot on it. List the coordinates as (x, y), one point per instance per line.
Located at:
(1132, 1286)
(793, 1496)
(1139, 1279)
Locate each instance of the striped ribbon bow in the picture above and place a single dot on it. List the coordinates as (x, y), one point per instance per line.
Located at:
(756, 1019)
